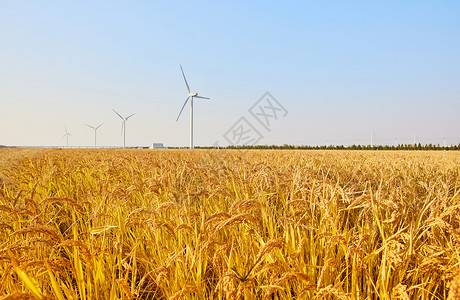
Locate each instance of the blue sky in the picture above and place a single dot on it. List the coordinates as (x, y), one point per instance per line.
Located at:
(340, 68)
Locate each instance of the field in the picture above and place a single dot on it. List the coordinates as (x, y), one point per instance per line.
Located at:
(221, 224)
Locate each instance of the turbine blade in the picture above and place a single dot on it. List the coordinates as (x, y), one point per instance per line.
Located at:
(65, 129)
(129, 116)
(99, 126)
(185, 79)
(89, 126)
(201, 97)
(185, 103)
(117, 113)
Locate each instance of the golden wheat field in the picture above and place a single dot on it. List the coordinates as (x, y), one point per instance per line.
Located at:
(222, 224)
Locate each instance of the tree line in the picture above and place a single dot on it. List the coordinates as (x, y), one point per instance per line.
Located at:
(342, 147)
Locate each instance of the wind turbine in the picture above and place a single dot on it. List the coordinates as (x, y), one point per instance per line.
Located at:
(123, 126)
(372, 145)
(190, 97)
(95, 129)
(66, 135)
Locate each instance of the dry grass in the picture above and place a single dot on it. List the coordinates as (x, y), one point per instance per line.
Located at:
(214, 224)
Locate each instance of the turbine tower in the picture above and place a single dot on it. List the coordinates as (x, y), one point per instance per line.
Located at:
(371, 140)
(95, 129)
(190, 97)
(66, 135)
(123, 126)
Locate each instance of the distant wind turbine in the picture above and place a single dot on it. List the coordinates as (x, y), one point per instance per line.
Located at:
(190, 97)
(372, 144)
(66, 135)
(123, 126)
(95, 129)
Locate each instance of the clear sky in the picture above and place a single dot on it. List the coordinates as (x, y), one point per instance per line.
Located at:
(341, 69)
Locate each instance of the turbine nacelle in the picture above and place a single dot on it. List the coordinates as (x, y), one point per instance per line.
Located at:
(193, 94)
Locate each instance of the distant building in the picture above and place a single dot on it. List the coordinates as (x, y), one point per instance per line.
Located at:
(158, 146)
